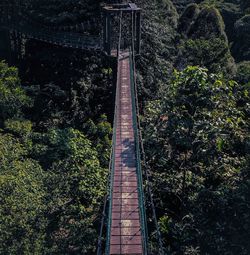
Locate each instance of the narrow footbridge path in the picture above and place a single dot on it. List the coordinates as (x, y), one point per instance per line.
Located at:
(126, 216)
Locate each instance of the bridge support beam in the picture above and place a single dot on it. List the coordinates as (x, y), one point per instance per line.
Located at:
(107, 33)
(114, 10)
(138, 32)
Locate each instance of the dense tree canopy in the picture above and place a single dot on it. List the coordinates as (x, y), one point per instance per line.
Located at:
(22, 196)
(197, 140)
(51, 182)
(55, 131)
(12, 97)
(204, 41)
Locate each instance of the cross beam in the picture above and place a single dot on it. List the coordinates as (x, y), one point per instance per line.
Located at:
(114, 9)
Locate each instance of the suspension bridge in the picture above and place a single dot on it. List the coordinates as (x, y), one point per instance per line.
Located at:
(15, 18)
(123, 223)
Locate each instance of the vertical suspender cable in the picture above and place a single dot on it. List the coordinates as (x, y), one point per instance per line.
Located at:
(137, 146)
(148, 184)
(111, 163)
(120, 36)
(99, 246)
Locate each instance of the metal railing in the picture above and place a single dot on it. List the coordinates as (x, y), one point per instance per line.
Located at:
(107, 250)
(143, 220)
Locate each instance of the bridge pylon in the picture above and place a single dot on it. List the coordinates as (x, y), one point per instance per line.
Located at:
(133, 18)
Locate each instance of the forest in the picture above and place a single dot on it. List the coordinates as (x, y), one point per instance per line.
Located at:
(56, 125)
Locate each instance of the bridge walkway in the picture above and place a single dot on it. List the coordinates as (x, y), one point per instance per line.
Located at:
(125, 232)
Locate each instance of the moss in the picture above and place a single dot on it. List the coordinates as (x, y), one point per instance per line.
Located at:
(213, 54)
(243, 72)
(182, 4)
(208, 24)
(189, 14)
(167, 12)
(204, 41)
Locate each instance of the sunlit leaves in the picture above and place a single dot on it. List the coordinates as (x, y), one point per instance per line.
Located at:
(76, 189)
(12, 96)
(22, 196)
(196, 140)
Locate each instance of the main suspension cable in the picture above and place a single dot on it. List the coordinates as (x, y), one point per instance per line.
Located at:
(109, 181)
(148, 182)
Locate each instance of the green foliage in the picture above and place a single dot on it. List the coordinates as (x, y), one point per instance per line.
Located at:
(197, 144)
(182, 4)
(243, 72)
(204, 41)
(12, 96)
(52, 181)
(76, 188)
(19, 127)
(100, 134)
(233, 12)
(53, 145)
(68, 98)
(208, 24)
(190, 13)
(22, 196)
(158, 46)
(210, 53)
(52, 211)
(65, 16)
(53, 158)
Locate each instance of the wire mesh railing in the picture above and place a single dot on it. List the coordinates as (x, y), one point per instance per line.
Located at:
(12, 20)
(107, 250)
(138, 161)
(141, 154)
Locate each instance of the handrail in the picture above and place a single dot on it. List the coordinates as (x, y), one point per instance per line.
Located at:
(141, 146)
(99, 245)
(62, 39)
(138, 163)
(137, 143)
(107, 250)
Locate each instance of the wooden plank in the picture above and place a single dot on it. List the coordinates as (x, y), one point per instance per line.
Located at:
(125, 223)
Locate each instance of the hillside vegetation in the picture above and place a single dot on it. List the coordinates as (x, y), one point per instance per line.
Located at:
(197, 133)
(56, 110)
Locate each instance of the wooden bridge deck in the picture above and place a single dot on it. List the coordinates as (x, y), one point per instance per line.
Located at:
(125, 236)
